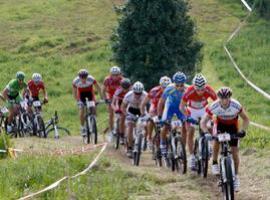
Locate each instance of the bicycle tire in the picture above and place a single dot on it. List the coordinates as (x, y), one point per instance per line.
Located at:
(42, 130)
(197, 156)
(63, 132)
(181, 157)
(88, 133)
(116, 136)
(137, 154)
(94, 136)
(227, 187)
(171, 155)
(156, 151)
(205, 158)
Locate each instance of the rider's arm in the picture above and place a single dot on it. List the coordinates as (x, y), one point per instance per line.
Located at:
(104, 89)
(123, 107)
(161, 104)
(245, 118)
(74, 91)
(98, 88)
(204, 121)
(5, 93)
(183, 107)
(114, 103)
(143, 104)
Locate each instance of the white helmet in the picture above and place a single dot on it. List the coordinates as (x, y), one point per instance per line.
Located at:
(164, 81)
(199, 81)
(138, 87)
(115, 70)
(36, 77)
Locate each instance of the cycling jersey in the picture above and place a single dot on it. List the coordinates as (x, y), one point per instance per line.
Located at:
(120, 94)
(134, 101)
(227, 116)
(196, 101)
(84, 90)
(111, 84)
(154, 95)
(35, 88)
(172, 97)
(14, 88)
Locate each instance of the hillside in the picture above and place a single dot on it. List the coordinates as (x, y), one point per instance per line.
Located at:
(57, 38)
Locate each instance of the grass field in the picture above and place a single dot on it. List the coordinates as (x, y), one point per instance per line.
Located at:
(57, 38)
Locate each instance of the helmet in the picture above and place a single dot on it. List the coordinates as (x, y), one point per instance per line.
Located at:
(224, 92)
(138, 87)
(20, 75)
(115, 70)
(125, 83)
(179, 77)
(36, 77)
(164, 81)
(199, 81)
(83, 73)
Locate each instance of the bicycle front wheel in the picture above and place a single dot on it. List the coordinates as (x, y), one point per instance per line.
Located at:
(205, 158)
(181, 158)
(60, 131)
(138, 150)
(227, 181)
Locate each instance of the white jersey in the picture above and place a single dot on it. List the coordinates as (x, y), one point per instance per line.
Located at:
(133, 101)
(88, 83)
(227, 115)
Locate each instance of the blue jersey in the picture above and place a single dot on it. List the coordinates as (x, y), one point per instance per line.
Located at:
(172, 96)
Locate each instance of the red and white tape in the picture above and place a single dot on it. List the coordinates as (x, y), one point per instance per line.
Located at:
(58, 182)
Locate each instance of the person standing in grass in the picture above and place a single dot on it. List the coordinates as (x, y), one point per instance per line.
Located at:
(12, 95)
(82, 89)
(110, 84)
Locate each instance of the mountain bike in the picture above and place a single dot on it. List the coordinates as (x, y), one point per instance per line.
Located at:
(156, 153)
(39, 125)
(226, 163)
(176, 148)
(139, 138)
(90, 121)
(202, 150)
(52, 126)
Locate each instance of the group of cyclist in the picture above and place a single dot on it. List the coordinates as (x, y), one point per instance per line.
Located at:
(168, 99)
(18, 89)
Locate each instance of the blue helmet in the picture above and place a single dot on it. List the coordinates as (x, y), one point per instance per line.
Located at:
(179, 77)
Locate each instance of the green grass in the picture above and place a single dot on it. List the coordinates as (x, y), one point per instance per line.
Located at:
(216, 20)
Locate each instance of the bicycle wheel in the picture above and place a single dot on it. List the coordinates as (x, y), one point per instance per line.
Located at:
(227, 182)
(61, 131)
(204, 158)
(138, 149)
(41, 132)
(172, 154)
(156, 154)
(116, 135)
(197, 156)
(181, 158)
(93, 133)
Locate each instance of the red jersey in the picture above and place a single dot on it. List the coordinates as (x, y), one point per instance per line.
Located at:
(120, 94)
(111, 84)
(154, 95)
(86, 87)
(198, 101)
(35, 88)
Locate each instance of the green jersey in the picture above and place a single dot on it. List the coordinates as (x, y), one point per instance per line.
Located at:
(14, 87)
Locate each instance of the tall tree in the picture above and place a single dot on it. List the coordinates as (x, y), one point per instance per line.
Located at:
(155, 38)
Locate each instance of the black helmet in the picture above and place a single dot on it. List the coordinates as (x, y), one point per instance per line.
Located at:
(224, 92)
(83, 73)
(125, 83)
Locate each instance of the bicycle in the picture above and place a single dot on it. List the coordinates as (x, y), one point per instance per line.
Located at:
(3, 118)
(52, 126)
(156, 153)
(226, 163)
(176, 148)
(116, 133)
(90, 121)
(201, 150)
(39, 125)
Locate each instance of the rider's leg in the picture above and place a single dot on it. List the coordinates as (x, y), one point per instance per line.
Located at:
(215, 167)
(130, 127)
(111, 116)
(150, 127)
(184, 133)
(235, 154)
(82, 119)
(122, 125)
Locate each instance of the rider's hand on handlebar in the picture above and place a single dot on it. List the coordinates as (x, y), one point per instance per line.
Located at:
(241, 134)
(45, 100)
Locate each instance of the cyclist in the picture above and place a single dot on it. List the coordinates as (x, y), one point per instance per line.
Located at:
(110, 84)
(117, 100)
(193, 104)
(34, 87)
(226, 110)
(154, 96)
(11, 94)
(82, 89)
(131, 109)
(170, 101)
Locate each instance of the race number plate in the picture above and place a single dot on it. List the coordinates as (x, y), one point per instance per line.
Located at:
(90, 104)
(224, 137)
(36, 103)
(176, 123)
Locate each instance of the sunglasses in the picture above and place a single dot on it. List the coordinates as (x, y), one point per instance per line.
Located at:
(138, 94)
(180, 85)
(199, 89)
